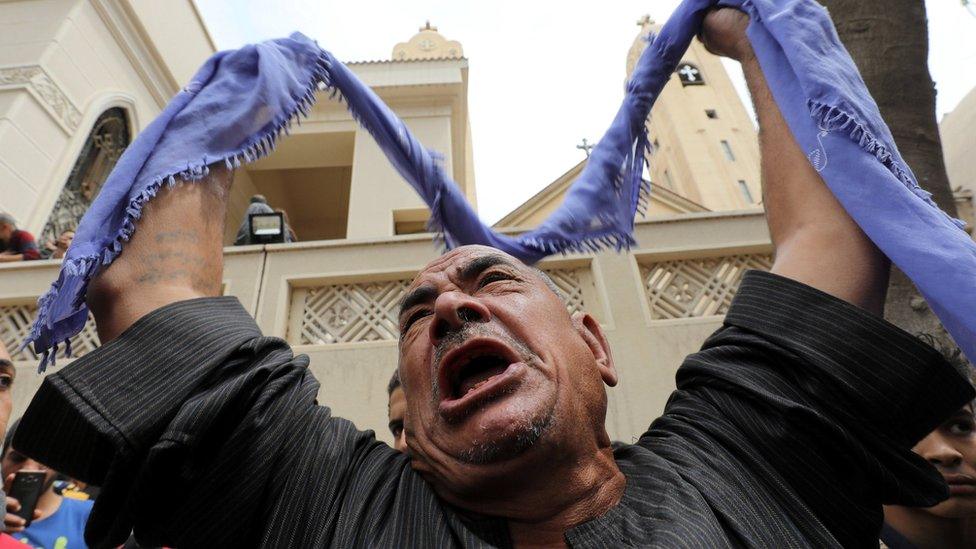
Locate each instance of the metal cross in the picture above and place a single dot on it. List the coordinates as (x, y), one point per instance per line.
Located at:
(586, 147)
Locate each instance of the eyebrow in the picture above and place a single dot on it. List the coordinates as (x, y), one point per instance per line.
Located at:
(422, 294)
(479, 264)
(469, 271)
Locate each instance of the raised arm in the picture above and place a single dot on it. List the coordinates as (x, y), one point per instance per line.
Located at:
(175, 254)
(817, 243)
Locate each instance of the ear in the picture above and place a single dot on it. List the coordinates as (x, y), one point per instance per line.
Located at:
(592, 333)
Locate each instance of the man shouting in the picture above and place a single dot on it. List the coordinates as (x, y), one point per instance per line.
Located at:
(790, 428)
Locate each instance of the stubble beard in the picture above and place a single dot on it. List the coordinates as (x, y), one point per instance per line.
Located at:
(528, 430)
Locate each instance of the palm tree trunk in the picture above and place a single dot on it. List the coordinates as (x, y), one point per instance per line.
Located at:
(888, 40)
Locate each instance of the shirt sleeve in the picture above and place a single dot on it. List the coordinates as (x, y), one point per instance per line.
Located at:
(193, 424)
(816, 401)
(27, 246)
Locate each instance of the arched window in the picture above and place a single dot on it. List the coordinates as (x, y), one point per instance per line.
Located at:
(689, 74)
(108, 138)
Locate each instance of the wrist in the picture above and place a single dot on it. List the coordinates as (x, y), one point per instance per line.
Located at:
(744, 53)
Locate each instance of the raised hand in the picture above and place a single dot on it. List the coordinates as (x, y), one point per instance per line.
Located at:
(724, 33)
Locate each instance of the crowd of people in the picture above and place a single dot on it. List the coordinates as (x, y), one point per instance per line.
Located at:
(19, 245)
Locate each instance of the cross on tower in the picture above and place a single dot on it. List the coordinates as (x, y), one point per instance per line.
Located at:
(646, 20)
(586, 147)
(690, 73)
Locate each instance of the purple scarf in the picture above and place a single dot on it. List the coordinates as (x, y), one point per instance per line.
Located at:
(241, 101)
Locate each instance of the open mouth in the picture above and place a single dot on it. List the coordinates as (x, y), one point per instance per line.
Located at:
(475, 372)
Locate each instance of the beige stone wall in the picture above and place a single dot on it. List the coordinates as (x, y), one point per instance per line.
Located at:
(958, 132)
(648, 348)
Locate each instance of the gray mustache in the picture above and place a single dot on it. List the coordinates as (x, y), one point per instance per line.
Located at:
(456, 338)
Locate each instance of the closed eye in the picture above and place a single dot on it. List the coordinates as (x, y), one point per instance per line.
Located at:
(493, 276)
(414, 317)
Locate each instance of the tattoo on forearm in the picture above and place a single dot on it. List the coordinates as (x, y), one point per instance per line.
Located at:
(176, 236)
(170, 262)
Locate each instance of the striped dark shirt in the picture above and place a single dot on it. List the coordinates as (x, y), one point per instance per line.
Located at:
(789, 428)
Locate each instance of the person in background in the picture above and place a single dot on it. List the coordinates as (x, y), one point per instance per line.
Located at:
(55, 249)
(7, 374)
(397, 409)
(59, 522)
(290, 235)
(951, 448)
(258, 205)
(15, 244)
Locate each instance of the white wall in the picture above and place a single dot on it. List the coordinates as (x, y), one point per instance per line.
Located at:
(63, 63)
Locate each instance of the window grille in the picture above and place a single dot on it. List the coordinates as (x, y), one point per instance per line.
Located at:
(15, 323)
(688, 288)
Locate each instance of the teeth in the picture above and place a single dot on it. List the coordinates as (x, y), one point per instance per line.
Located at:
(479, 384)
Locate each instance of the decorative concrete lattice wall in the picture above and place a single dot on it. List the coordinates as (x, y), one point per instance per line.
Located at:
(15, 323)
(359, 312)
(571, 284)
(686, 288)
(346, 313)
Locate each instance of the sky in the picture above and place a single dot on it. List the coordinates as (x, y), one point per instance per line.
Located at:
(543, 75)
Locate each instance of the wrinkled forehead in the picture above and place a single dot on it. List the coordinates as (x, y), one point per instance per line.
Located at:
(454, 263)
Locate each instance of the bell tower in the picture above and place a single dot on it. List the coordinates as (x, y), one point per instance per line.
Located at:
(704, 144)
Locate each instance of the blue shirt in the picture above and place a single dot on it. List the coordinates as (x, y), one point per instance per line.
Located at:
(64, 529)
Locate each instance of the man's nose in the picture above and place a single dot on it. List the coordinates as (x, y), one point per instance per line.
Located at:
(452, 311)
(939, 452)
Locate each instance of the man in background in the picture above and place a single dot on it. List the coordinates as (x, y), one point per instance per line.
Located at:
(16, 244)
(397, 409)
(951, 448)
(7, 375)
(259, 205)
(59, 522)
